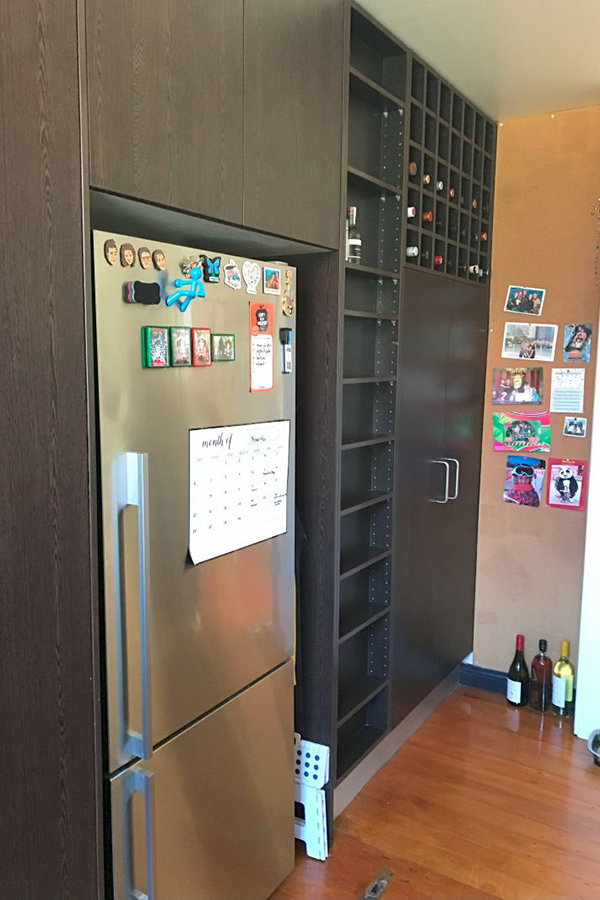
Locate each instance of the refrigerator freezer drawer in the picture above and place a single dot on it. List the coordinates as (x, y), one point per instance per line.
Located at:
(211, 815)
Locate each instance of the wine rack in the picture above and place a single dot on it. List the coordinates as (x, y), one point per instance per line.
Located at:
(449, 178)
(406, 130)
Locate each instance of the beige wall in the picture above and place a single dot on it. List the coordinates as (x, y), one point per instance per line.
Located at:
(529, 567)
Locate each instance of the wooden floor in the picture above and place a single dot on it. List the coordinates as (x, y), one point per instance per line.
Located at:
(484, 801)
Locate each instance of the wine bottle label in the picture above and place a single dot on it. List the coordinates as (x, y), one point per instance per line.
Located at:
(513, 690)
(569, 688)
(354, 242)
(559, 691)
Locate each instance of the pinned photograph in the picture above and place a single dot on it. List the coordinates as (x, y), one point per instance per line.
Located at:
(201, 351)
(575, 426)
(567, 479)
(523, 480)
(159, 260)
(519, 432)
(223, 347)
(145, 258)
(517, 385)
(524, 340)
(111, 252)
(181, 346)
(272, 280)
(577, 345)
(127, 254)
(251, 275)
(525, 300)
(231, 275)
(155, 347)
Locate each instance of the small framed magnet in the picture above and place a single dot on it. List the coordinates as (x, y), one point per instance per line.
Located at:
(155, 347)
(272, 280)
(181, 345)
(201, 347)
(223, 347)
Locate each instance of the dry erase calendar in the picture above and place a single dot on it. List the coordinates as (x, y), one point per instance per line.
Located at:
(238, 487)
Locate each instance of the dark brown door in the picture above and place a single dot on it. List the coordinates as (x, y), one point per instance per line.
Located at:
(293, 117)
(465, 380)
(166, 102)
(420, 481)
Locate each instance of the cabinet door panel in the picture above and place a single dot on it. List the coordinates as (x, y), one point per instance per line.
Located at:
(467, 344)
(166, 102)
(293, 117)
(419, 482)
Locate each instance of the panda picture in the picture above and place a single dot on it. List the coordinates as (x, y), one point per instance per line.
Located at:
(566, 484)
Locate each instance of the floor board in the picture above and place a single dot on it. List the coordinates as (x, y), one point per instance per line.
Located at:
(484, 801)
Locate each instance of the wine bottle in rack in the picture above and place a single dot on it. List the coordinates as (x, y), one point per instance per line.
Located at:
(425, 254)
(474, 203)
(517, 682)
(462, 200)
(483, 236)
(427, 216)
(464, 234)
(452, 230)
(354, 240)
(451, 193)
(411, 212)
(438, 260)
(473, 270)
(412, 251)
(484, 273)
(426, 179)
(562, 682)
(439, 186)
(412, 169)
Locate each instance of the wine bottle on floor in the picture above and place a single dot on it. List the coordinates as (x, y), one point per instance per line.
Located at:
(541, 679)
(354, 243)
(562, 682)
(517, 683)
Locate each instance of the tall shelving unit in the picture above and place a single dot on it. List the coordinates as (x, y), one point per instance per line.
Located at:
(398, 112)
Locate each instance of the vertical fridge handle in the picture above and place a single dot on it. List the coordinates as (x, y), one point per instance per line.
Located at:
(132, 481)
(141, 782)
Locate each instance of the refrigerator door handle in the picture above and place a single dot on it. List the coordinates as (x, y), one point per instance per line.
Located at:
(141, 782)
(132, 487)
(446, 464)
(452, 459)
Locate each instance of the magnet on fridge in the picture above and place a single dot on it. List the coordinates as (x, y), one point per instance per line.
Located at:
(201, 349)
(145, 257)
(286, 339)
(251, 275)
(181, 345)
(111, 252)
(142, 292)
(288, 302)
(212, 269)
(155, 347)
(223, 347)
(231, 275)
(159, 259)
(127, 255)
(272, 280)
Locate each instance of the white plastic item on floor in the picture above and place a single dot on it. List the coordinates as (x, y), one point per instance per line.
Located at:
(311, 774)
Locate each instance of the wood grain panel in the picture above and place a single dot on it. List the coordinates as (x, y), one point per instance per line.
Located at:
(293, 118)
(166, 102)
(483, 801)
(529, 564)
(47, 802)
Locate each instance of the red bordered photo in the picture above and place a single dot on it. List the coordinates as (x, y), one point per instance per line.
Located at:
(567, 483)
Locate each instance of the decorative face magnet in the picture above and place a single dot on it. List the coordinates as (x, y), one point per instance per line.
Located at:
(111, 252)
(251, 275)
(145, 258)
(127, 255)
(159, 260)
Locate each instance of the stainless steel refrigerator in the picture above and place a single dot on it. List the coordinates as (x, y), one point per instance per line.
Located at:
(198, 598)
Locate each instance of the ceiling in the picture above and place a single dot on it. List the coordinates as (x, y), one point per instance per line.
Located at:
(509, 57)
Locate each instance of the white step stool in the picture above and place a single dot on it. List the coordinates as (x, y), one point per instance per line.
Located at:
(311, 774)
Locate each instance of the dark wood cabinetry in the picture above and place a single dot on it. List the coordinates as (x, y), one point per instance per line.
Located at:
(293, 117)
(225, 108)
(166, 102)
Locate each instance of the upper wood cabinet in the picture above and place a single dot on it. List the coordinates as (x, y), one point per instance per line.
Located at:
(166, 102)
(293, 58)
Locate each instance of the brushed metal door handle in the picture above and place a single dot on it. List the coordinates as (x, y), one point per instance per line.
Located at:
(141, 782)
(452, 459)
(443, 462)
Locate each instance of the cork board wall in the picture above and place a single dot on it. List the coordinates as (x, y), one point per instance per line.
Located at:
(529, 564)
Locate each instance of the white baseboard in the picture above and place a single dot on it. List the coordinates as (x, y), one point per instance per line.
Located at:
(347, 790)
